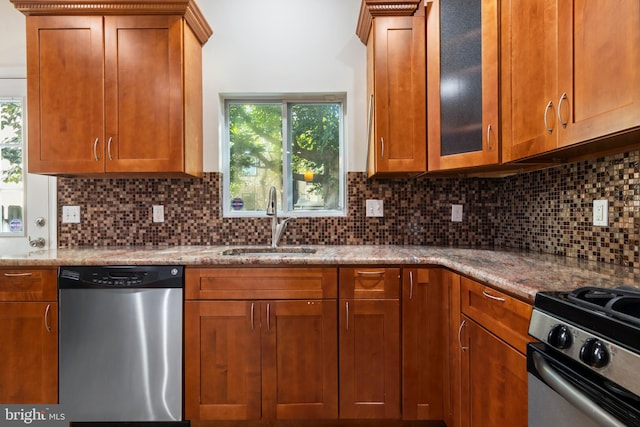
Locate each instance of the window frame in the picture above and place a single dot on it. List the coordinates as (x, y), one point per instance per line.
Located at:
(284, 206)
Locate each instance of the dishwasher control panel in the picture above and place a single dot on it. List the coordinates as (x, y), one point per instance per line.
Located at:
(121, 277)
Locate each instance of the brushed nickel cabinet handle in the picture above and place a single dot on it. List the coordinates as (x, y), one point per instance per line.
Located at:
(17, 274)
(546, 121)
(562, 99)
(253, 306)
(493, 297)
(46, 318)
(410, 285)
(489, 137)
(95, 149)
(382, 143)
(109, 147)
(268, 317)
(463, 348)
(370, 273)
(347, 316)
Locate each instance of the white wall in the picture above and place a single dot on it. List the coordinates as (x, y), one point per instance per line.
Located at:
(279, 46)
(259, 46)
(13, 52)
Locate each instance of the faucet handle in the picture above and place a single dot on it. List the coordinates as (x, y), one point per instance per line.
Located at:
(272, 204)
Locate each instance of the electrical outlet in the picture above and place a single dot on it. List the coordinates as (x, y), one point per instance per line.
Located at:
(601, 213)
(158, 213)
(71, 214)
(456, 213)
(375, 208)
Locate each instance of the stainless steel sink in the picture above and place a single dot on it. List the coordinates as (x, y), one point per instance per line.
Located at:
(269, 251)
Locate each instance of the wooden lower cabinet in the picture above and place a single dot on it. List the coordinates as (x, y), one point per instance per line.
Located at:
(369, 359)
(423, 344)
(29, 336)
(299, 360)
(370, 362)
(494, 379)
(261, 359)
(486, 382)
(222, 361)
(29, 362)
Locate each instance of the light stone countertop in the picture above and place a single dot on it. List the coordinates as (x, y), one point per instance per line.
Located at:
(518, 273)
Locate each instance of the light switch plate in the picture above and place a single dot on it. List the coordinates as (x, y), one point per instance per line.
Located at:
(158, 213)
(375, 208)
(601, 213)
(71, 214)
(456, 213)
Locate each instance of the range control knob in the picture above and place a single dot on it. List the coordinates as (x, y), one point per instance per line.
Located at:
(560, 337)
(594, 353)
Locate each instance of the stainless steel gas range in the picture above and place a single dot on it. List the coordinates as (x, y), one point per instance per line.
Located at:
(585, 371)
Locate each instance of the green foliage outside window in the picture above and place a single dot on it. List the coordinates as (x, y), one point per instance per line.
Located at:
(11, 141)
(308, 161)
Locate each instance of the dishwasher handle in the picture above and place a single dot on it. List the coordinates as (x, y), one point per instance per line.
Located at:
(572, 394)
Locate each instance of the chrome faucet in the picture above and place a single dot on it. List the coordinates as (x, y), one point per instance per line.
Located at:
(277, 228)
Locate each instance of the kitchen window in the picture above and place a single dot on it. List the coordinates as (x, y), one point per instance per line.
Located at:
(12, 194)
(294, 144)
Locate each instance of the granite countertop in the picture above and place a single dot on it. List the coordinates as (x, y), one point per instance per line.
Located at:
(518, 273)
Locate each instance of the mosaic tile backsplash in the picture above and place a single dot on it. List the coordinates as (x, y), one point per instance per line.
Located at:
(548, 210)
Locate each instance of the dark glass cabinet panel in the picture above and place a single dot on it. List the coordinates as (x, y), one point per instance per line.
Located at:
(460, 76)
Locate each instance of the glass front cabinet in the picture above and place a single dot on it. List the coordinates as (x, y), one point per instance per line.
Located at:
(462, 84)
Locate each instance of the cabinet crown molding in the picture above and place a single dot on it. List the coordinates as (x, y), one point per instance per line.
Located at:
(372, 8)
(186, 8)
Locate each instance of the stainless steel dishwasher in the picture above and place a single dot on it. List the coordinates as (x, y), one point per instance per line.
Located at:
(120, 344)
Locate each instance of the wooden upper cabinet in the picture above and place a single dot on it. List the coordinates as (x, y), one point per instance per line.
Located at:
(143, 93)
(114, 93)
(396, 79)
(462, 84)
(65, 75)
(569, 75)
(529, 83)
(598, 69)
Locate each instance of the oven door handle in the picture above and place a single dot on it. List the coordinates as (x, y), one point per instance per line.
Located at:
(573, 395)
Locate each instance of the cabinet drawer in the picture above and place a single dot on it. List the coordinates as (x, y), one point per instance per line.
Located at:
(505, 316)
(370, 283)
(260, 283)
(28, 284)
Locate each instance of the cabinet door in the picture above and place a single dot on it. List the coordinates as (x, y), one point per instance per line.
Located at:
(29, 364)
(529, 80)
(143, 91)
(423, 344)
(369, 358)
(494, 379)
(299, 359)
(65, 94)
(599, 76)
(396, 52)
(463, 84)
(222, 360)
